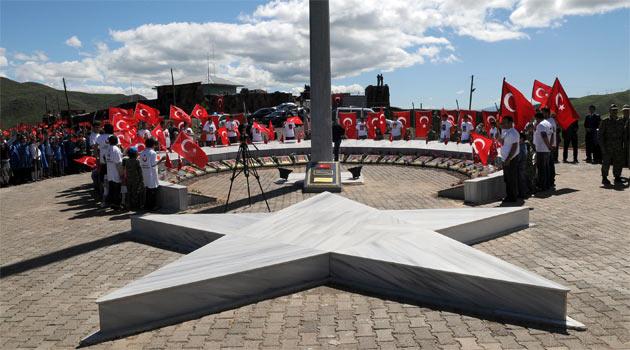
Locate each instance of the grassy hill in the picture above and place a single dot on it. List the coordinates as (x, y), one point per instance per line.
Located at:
(24, 102)
(602, 103)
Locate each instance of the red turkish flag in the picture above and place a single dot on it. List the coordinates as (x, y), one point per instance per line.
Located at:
(121, 113)
(451, 116)
(87, 160)
(482, 146)
(272, 132)
(560, 104)
(239, 117)
(158, 133)
(295, 120)
(372, 124)
(147, 114)
(220, 102)
(540, 93)
(404, 117)
(262, 129)
(121, 123)
(124, 138)
(186, 147)
(488, 117)
(200, 113)
(168, 162)
(349, 122)
(138, 142)
(178, 116)
(424, 121)
(472, 116)
(222, 132)
(514, 104)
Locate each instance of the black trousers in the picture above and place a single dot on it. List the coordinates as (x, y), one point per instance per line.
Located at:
(590, 140)
(542, 169)
(570, 138)
(337, 145)
(552, 167)
(510, 177)
(150, 202)
(113, 196)
(616, 159)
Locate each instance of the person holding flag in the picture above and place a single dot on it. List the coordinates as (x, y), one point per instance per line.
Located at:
(149, 164)
(542, 143)
(467, 128)
(210, 130)
(509, 153)
(445, 129)
(362, 130)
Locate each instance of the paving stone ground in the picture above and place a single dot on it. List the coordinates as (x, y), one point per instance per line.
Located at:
(59, 252)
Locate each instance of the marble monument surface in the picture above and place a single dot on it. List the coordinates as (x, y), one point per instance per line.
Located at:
(419, 256)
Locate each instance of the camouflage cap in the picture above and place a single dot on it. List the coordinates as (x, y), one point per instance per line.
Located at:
(625, 107)
(613, 107)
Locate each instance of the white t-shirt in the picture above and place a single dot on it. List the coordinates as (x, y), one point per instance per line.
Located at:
(396, 128)
(543, 126)
(148, 163)
(256, 135)
(103, 143)
(361, 129)
(467, 128)
(93, 136)
(113, 157)
(510, 137)
(231, 129)
(445, 130)
(210, 129)
(553, 139)
(144, 133)
(167, 137)
(289, 130)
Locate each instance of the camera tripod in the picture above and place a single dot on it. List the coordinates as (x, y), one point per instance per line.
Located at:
(244, 157)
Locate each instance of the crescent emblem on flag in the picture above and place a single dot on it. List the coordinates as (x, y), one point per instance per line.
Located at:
(143, 112)
(539, 94)
(451, 118)
(180, 125)
(235, 121)
(424, 117)
(122, 128)
(475, 147)
(506, 102)
(559, 97)
(184, 147)
(402, 120)
(491, 118)
(346, 119)
(177, 114)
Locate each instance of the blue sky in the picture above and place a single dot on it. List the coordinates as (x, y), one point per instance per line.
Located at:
(589, 53)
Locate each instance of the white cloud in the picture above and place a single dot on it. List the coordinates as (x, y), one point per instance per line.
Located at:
(352, 89)
(37, 56)
(73, 41)
(269, 47)
(3, 59)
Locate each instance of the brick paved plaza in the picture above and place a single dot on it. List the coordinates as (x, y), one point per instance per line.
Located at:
(60, 252)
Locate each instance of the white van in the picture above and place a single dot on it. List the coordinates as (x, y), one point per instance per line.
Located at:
(361, 112)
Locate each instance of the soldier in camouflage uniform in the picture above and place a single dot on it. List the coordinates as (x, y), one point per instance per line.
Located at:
(611, 140)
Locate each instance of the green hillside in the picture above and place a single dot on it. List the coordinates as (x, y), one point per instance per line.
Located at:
(602, 103)
(24, 102)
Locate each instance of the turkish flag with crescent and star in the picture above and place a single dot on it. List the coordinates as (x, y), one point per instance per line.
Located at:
(514, 104)
(178, 116)
(223, 134)
(220, 102)
(488, 117)
(121, 113)
(424, 121)
(200, 113)
(87, 160)
(482, 146)
(372, 124)
(124, 138)
(158, 133)
(121, 123)
(147, 114)
(560, 104)
(240, 118)
(272, 132)
(540, 93)
(348, 121)
(186, 147)
(404, 117)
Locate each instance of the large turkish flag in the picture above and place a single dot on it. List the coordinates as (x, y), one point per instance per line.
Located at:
(560, 104)
(514, 104)
(424, 120)
(186, 147)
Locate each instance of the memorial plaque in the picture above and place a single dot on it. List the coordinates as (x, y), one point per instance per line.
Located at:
(371, 158)
(284, 160)
(323, 176)
(267, 161)
(231, 163)
(300, 159)
(219, 166)
(405, 160)
(354, 158)
(389, 159)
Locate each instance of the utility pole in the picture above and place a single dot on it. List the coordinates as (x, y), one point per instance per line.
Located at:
(173, 84)
(472, 89)
(457, 103)
(66, 92)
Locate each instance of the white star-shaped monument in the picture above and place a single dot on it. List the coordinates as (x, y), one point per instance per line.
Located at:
(420, 256)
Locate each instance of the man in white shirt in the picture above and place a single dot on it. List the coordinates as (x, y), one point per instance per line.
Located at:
(257, 135)
(467, 128)
(509, 154)
(543, 147)
(113, 158)
(553, 138)
(445, 129)
(149, 166)
(231, 131)
(493, 133)
(92, 137)
(362, 129)
(100, 147)
(396, 131)
(210, 129)
(143, 131)
(289, 131)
